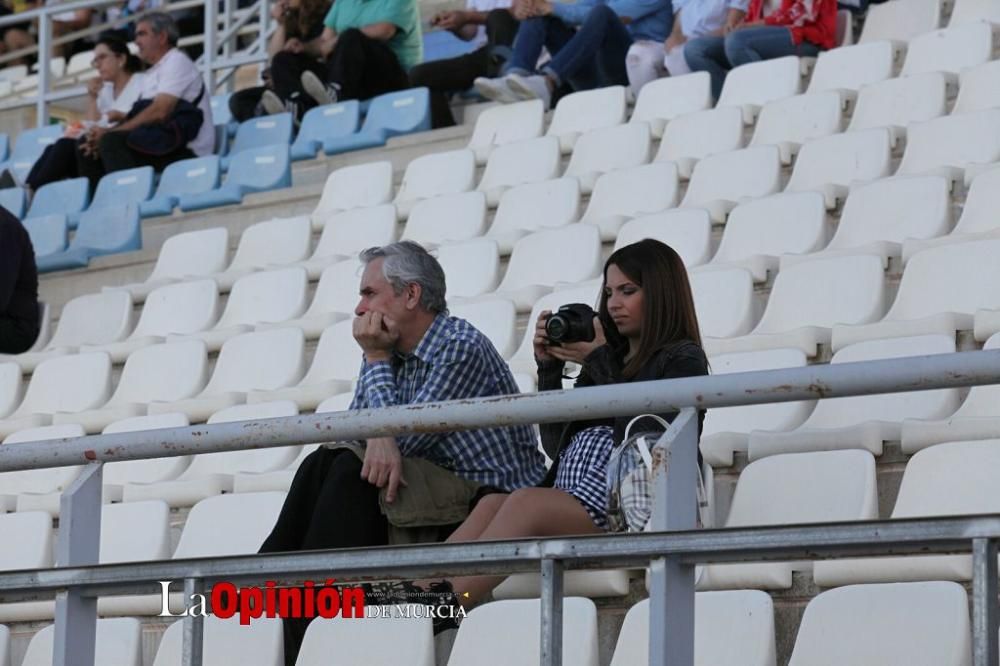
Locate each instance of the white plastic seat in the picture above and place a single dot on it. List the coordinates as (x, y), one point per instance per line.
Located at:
(227, 642)
(941, 289)
(952, 49)
(727, 429)
(979, 88)
(11, 388)
(528, 208)
(66, 384)
(92, 319)
(117, 474)
(212, 473)
(38, 489)
(447, 219)
(952, 143)
(265, 360)
(167, 372)
(184, 256)
(626, 193)
(897, 103)
(662, 100)
(790, 122)
(808, 299)
(507, 632)
(974, 10)
(731, 628)
(950, 479)
(518, 163)
(534, 270)
(276, 242)
(433, 175)
(607, 149)
(472, 268)
(391, 639)
(118, 641)
(334, 300)
(901, 21)
(755, 84)
(831, 164)
(918, 624)
(848, 68)
(4, 646)
(354, 186)
(495, 318)
(725, 302)
(28, 541)
(584, 111)
(758, 232)
(334, 367)
(590, 584)
(826, 486)
(523, 360)
(348, 233)
(695, 136)
(506, 123)
(264, 297)
(719, 182)
(181, 308)
(687, 231)
(864, 422)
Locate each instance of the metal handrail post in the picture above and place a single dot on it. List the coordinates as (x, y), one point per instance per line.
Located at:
(985, 620)
(675, 491)
(44, 72)
(551, 629)
(79, 545)
(211, 19)
(192, 646)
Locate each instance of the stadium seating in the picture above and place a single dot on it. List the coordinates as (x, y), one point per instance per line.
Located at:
(380, 643)
(585, 111)
(198, 175)
(495, 318)
(533, 206)
(978, 89)
(506, 123)
(725, 302)
(896, 103)
(269, 244)
(625, 193)
(118, 641)
(227, 641)
(517, 163)
(37, 489)
(258, 133)
(606, 149)
(388, 115)
(354, 187)
(49, 234)
(130, 186)
(446, 219)
(831, 164)
(754, 85)
(4, 645)
(663, 100)
(434, 175)
(952, 49)
(63, 197)
(222, 115)
(974, 10)
(901, 21)
(687, 231)
(848, 68)
(719, 182)
(257, 170)
(187, 255)
(523, 359)
(28, 146)
(348, 233)
(790, 122)
(10, 387)
(952, 143)
(29, 543)
(694, 136)
(476, 265)
(117, 474)
(14, 200)
(323, 123)
(101, 232)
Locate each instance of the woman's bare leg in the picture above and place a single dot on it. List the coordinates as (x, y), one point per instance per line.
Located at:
(480, 518)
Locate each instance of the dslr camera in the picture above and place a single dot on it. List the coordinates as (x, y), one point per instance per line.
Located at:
(571, 323)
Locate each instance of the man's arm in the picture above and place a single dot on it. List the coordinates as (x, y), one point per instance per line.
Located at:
(327, 40)
(161, 108)
(382, 31)
(464, 24)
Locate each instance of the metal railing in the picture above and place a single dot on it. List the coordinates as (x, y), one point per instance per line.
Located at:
(671, 551)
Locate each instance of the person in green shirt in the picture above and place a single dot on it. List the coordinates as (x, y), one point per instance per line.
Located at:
(368, 46)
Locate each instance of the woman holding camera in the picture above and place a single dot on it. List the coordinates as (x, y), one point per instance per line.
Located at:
(645, 329)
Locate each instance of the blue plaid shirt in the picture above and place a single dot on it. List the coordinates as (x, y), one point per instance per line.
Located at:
(454, 361)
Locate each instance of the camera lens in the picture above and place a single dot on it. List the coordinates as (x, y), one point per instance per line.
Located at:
(556, 327)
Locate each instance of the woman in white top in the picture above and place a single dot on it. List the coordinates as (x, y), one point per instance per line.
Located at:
(110, 96)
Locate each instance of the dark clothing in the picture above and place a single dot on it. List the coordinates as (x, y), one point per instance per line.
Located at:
(364, 67)
(442, 77)
(604, 366)
(18, 287)
(115, 155)
(57, 162)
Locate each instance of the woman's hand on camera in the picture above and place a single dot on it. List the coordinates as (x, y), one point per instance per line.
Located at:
(541, 341)
(576, 352)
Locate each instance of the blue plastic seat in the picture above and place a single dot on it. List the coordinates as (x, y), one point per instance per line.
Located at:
(67, 197)
(49, 234)
(259, 132)
(101, 232)
(325, 123)
(389, 115)
(257, 170)
(193, 176)
(221, 115)
(131, 186)
(442, 44)
(13, 199)
(4, 146)
(29, 146)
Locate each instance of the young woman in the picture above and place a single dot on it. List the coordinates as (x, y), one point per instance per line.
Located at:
(110, 95)
(646, 330)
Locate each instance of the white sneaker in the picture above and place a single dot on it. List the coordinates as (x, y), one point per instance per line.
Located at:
(323, 93)
(272, 103)
(496, 89)
(531, 87)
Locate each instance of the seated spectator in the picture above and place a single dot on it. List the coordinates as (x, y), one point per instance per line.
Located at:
(171, 121)
(368, 46)
(493, 28)
(16, 36)
(797, 27)
(18, 287)
(364, 493)
(74, 20)
(110, 96)
(588, 56)
(646, 329)
(692, 19)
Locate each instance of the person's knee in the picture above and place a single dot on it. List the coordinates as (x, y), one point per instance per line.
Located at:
(695, 51)
(422, 75)
(112, 141)
(601, 14)
(499, 19)
(350, 37)
(736, 46)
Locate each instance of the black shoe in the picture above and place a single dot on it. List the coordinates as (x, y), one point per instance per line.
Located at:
(7, 180)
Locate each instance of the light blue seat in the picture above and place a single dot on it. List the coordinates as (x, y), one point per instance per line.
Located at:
(257, 170)
(389, 115)
(4, 146)
(221, 115)
(193, 176)
(49, 234)
(101, 232)
(442, 44)
(131, 186)
(13, 199)
(68, 197)
(28, 146)
(259, 132)
(325, 123)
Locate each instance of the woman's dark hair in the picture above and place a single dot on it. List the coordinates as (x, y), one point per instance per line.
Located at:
(117, 45)
(668, 308)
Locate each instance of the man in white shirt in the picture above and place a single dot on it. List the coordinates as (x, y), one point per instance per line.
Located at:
(171, 77)
(490, 25)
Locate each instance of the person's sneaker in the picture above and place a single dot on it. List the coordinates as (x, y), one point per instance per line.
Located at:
(495, 89)
(323, 93)
(531, 87)
(272, 103)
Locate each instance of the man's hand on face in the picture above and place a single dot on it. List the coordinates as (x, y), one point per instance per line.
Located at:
(383, 466)
(376, 336)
